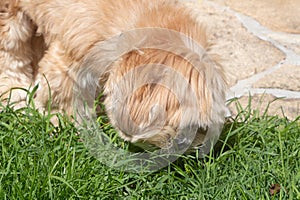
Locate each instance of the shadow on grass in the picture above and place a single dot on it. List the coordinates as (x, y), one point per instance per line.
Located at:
(251, 126)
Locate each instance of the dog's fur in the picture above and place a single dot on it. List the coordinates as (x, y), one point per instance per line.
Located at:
(74, 31)
(20, 51)
(16, 56)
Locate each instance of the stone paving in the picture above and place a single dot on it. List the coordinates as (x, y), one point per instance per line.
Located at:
(260, 44)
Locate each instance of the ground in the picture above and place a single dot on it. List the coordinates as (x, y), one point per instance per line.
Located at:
(260, 44)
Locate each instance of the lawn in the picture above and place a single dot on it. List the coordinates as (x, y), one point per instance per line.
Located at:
(257, 155)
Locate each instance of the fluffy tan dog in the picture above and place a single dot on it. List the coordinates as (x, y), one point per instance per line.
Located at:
(16, 55)
(150, 57)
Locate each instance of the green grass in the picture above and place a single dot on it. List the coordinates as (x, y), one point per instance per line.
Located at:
(40, 161)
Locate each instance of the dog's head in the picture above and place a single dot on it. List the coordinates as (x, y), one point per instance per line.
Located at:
(161, 83)
(165, 91)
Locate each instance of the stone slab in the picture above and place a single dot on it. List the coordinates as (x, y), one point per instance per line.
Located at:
(287, 77)
(279, 15)
(243, 54)
(289, 108)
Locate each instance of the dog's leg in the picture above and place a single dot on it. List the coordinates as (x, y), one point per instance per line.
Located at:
(55, 81)
(16, 69)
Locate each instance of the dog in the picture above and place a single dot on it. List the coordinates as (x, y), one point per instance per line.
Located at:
(16, 55)
(161, 83)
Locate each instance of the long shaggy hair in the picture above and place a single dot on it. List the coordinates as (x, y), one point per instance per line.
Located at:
(151, 58)
(16, 55)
